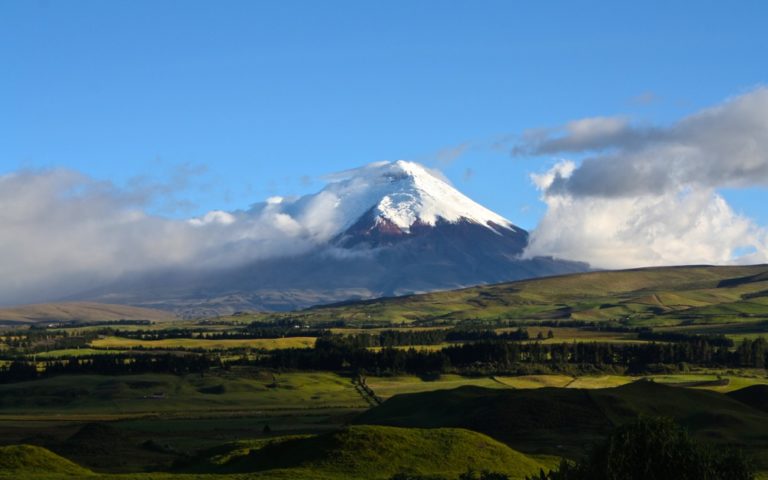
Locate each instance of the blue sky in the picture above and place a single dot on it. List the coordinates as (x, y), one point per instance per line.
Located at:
(269, 96)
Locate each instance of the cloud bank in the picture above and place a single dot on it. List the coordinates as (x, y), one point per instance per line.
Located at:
(647, 195)
(63, 232)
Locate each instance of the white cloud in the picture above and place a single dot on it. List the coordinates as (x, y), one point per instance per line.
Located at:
(214, 216)
(648, 196)
(676, 228)
(63, 232)
(722, 146)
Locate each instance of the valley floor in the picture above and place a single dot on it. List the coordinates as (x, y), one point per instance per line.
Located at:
(127, 426)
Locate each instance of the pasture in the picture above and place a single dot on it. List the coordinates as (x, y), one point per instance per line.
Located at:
(204, 344)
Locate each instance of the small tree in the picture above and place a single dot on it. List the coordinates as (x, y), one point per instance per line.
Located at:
(653, 449)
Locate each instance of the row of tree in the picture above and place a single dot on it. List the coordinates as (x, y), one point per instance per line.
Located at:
(36, 341)
(118, 364)
(411, 337)
(502, 356)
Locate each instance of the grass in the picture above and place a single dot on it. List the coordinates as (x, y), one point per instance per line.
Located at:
(564, 421)
(81, 311)
(651, 296)
(73, 352)
(375, 452)
(386, 387)
(734, 382)
(198, 343)
(535, 381)
(524, 413)
(661, 297)
(234, 391)
(29, 460)
(357, 452)
(192, 412)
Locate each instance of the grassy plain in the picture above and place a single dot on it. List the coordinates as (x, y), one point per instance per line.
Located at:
(205, 344)
(74, 352)
(239, 390)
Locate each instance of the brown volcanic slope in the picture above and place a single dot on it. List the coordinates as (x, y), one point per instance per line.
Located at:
(80, 311)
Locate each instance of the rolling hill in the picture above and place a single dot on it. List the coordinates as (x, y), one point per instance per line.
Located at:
(648, 296)
(566, 421)
(28, 461)
(80, 312)
(373, 452)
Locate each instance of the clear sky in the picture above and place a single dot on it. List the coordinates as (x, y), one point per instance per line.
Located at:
(623, 134)
(269, 96)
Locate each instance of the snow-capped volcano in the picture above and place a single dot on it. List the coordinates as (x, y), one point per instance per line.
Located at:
(387, 228)
(388, 202)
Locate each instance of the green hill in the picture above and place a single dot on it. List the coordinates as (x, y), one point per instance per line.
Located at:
(28, 461)
(565, 421)
(659, 296)
(755, 396)
(373, 452)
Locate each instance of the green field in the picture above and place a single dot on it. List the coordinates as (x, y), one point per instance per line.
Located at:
(235, 391)
(386, 387)
(206, 344)
(74, 352)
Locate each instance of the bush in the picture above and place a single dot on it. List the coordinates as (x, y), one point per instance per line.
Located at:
(653, 449)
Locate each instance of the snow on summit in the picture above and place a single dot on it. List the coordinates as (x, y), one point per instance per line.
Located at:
(405, 193)
(394, 195)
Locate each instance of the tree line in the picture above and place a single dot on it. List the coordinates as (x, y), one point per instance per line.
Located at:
(400, 338)
(510, 357)
(117, 364)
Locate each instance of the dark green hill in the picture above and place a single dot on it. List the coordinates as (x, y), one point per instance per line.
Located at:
(565, 421)
(27, 461)
(375, 452)
(756, 396)
(105, 448)
(555, 416)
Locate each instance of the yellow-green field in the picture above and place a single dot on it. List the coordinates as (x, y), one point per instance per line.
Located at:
(420, 348)
(73, 352)
(194, 343)
(386, 387)
(239, 390)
